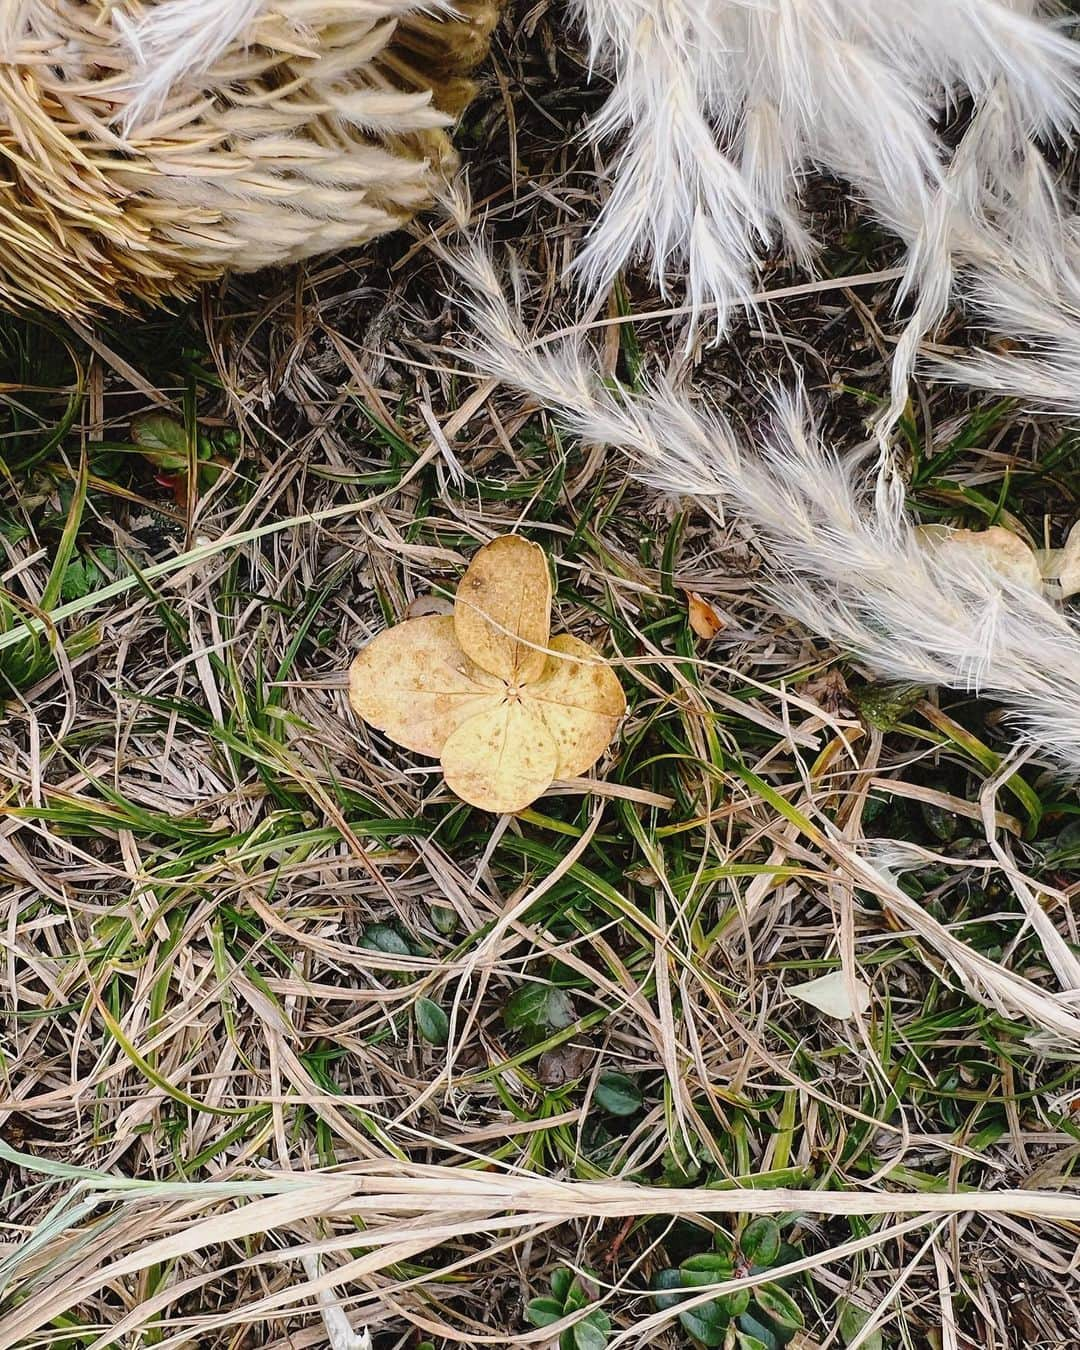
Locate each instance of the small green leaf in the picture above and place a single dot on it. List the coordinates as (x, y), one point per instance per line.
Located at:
(576, 1299)
(432, 1022)
(542, 1312)
(852, 1320)
(380, 937)
(162, 440)
(591, 1333)
(722, 1243)
(561, 1280)
(760, 1242)
(884, 706)
(80, 578)
(665, 1282)
(707, 1322)
(538, 1009)
(747, 1342)
(737, 1303)
(442, 916)
(769, 1337)
(617, 1093)
(781, 1307)
(706, 1268)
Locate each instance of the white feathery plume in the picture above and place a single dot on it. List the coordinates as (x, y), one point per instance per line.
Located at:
(861, 579)
(1024, 282)
(727, 104)
(176, 42)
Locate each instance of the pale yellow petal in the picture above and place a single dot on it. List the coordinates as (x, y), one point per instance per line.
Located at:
(505, 596)
(414, 683)
(582, 703)
(501, 759)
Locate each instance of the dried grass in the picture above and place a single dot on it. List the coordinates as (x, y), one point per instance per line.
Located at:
(212, 1084)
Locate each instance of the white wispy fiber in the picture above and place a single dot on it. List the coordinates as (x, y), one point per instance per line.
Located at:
(858, 577)
(1026, 284)
(178, 41)
(725, 106)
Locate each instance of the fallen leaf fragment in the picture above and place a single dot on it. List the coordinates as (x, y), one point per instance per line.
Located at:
(502, 759)
(502, 612)
(1061, 566)
(997, 548)
(705, 619)
(416, 684)
(582, 704)
(834, 995)
(504, 706)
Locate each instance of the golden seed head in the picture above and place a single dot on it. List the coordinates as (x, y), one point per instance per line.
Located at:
(303, 135)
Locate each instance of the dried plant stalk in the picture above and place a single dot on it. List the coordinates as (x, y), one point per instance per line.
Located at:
(403, 1209)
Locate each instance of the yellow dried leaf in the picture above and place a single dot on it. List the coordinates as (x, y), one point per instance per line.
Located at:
(416, 684)
(582, 703)
(502, 759)
(999, 549)
(705, 619)
(502, 739)
(505, 596)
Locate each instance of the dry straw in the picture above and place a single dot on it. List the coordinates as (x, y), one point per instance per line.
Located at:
(149, 148)
(379, 1214)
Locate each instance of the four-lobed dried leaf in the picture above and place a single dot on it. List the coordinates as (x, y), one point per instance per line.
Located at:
(504, 706)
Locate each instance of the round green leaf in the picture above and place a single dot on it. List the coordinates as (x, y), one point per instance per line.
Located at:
(665, 1283)
(706, 1268)
(617, 1093)
(380, 937)
(538, 1009)
(707, 1322)
(737, 1303)
(592, 1332)
(760, 1242)
(432, 1022)
(162, 440)
(561, 1280)
(542, 1312)
(769, 1337)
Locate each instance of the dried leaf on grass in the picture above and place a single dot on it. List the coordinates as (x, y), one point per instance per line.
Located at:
(995, 547)
(1057, 570)
(1061, 566)
(705, 619)
(505, 707)
(834, 995)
